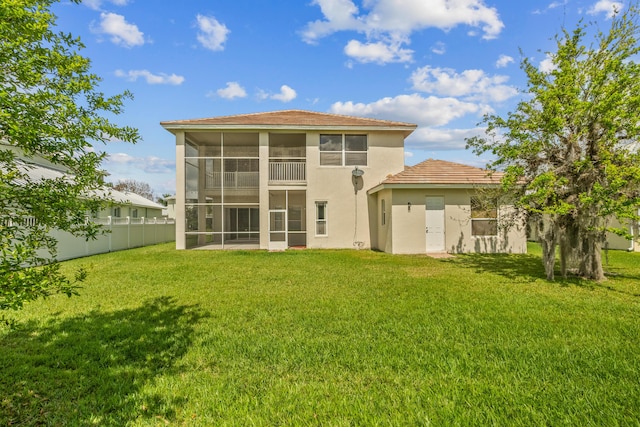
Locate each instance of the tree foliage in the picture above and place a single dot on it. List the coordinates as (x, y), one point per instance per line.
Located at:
(50, 110)
(139, 187)
(570, 148)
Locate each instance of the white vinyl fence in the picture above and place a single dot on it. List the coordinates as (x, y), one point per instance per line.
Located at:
(124, 233)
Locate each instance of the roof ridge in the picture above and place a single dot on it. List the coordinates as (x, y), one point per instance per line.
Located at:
(434, 171)
(284, 112)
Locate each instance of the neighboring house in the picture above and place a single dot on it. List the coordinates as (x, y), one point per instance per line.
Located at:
(131, 219)
(169, 210)
(304, 179)
(612, 240)
(131, 205)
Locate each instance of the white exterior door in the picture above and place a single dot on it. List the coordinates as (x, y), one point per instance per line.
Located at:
(277, 229)
(434, 223)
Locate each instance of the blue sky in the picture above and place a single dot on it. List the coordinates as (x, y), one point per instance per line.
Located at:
(440, 64)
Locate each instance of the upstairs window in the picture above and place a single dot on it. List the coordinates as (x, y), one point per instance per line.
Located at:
(484, 217)
(343, 150)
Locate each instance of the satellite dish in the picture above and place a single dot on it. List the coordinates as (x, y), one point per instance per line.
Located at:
(357, 172)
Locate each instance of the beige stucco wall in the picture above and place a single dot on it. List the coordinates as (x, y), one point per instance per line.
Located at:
(332, 184)
(407, 228)
(336, 186)
(384, 240)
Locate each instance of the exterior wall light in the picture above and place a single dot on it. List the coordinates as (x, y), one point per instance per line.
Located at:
(408, 206)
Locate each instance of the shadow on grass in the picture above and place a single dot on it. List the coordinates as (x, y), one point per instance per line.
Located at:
(92, 369)
(515, 267)
(524, 268)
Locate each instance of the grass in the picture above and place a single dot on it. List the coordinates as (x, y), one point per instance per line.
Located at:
(201, 338)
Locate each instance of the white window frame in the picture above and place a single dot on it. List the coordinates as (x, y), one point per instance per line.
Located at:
(483, 219)
(343, 152)
(324, 220)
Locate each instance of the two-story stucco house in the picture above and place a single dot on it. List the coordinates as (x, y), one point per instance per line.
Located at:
(304, 179)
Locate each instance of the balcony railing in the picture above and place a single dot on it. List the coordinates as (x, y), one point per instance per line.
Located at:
(233, 180)
(287, 171)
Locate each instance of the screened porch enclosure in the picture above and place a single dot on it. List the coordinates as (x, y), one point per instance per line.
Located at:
(287, 158)
(287, 219)
(222, 181)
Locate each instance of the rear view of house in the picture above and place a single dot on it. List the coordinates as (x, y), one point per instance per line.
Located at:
(297, 179)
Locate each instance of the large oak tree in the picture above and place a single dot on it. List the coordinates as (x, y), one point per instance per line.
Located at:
(50, 108)
(570, 148)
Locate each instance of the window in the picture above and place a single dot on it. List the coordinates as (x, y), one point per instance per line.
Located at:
(116, 212)
(484, 217)
(343, 150)
(383, 212)
(134, 213)
(321, 218)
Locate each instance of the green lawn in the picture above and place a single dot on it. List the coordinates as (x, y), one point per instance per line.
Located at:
(210, 338)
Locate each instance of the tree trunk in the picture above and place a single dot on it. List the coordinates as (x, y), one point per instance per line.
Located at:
(591, 259)
(548, 243)
(565, 253)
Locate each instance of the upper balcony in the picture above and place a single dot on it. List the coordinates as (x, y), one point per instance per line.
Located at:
(287, 159)
(287, 171)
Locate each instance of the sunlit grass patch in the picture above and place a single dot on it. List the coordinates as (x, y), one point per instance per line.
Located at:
(326, 338)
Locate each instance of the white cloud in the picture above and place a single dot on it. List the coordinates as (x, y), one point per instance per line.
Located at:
(551, 6)
(379, 52)
(384, 20)
(286, 94)
(441, 139)
(340, 16)
(429, 111)
(503, 61)
(557, 4)
(149, 164)
(121, 32)
(212, 33)
(471, 85)
(547, 65)
(97, 4)
(431, 114)
(439, 48)
(152, 79)
(609, 7)
(231, 91)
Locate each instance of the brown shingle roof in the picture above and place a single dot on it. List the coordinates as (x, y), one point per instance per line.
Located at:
(443, 172)
(290, 118)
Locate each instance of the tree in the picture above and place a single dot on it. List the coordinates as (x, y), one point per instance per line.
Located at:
(140, 188)
(570, 149)
(50, 107)
(163, 200)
